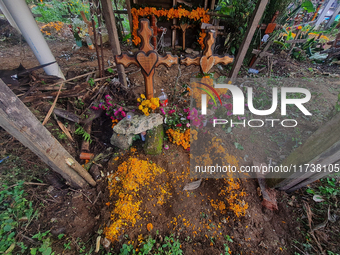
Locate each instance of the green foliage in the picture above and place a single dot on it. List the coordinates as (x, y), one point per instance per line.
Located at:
(92, 82)
(14, 206)
(239, 12)
(170, 246)
(57, 10)
(337, 104)
(308, 6)
(45, 248)
(86, 136)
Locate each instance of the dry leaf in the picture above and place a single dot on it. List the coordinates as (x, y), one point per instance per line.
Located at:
(193, 185)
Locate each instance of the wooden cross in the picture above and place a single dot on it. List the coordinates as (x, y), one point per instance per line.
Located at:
(208, 59)
(184, 28)
(146, 58)
(156, 30)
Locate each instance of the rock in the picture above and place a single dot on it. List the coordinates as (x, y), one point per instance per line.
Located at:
(154, 140)
(188, 50)
(95, 172)
(195, 52)
(138, 124)
(122, 141)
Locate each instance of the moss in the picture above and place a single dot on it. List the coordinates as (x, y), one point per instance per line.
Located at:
(154, 141)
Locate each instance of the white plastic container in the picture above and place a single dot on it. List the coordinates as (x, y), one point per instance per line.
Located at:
(163, 99)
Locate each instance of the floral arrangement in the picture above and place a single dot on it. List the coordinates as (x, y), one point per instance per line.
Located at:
(114, 111)
(78, 29)
(147, 105)
(198, 14)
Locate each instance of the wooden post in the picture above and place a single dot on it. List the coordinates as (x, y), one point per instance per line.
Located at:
(110, 22)
(20, 122)
(174, 22)
(259, 9)
(128, 7)
(331, 20)
(212, 6)
(322, 147)
(323, 14)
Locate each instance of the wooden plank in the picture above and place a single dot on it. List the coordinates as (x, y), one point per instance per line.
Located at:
(327, 159)
(318, 146)
(110, 23)
(258, 12)
(128, 7)
(322, 16)
(20, 122)
(331, 20)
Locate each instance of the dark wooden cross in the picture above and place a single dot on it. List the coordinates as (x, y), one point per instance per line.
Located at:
(184, 28)
(146, 58)
(208, 59)
(156, 30)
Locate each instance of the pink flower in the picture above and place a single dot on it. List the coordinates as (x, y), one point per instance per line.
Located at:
(229, 113)
(186, 110)
(123, 113)
(171, 112)
(188, 124)
(229, 106)
(240, 118)
(162, 111)
(211, 103)
(179, 125)
(166, 147)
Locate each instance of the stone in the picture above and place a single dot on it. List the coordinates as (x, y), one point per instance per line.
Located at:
(154, 140)
(188, 50)
(195, 52)
(122, 141)
(138, 124)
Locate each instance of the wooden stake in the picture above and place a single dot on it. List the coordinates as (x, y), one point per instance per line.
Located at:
(20, 122)
(128, 7)
(258, 12)
(110, 22)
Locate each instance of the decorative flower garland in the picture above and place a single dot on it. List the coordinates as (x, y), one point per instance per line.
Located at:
(196, 15)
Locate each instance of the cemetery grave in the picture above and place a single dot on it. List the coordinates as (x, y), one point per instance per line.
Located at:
(123, 195)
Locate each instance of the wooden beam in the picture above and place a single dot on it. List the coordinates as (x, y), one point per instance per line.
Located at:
(113, 36)
(331, 20)
(20, 122)
(323, 14)
(258, 12)
(128, 7)
(323, 144)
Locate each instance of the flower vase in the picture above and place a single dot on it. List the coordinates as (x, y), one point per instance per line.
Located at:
(79, 43)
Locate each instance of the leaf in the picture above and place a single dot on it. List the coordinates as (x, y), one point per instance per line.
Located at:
(34, 251)
(7, 228)
(318, 198)
(308, 6)
(232, 49)
(238, 146)
(193, 185)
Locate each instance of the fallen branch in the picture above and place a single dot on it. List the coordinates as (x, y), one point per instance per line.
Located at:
(53, 105)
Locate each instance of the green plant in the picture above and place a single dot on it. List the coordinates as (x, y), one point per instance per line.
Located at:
(91, 82)
(14, 207)
(86, 136)
(337, 104)
(45, 248)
